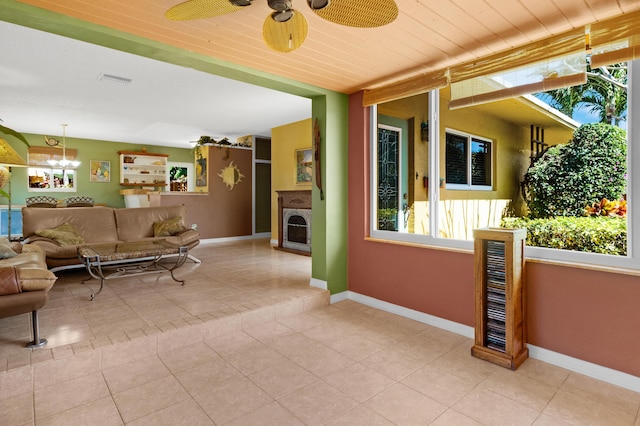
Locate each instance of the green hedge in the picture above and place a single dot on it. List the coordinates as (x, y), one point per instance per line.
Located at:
(568, 177)
(600, 234)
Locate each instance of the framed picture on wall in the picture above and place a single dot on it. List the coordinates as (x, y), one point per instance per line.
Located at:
(201, 172)
(100, 171)
(304, 165)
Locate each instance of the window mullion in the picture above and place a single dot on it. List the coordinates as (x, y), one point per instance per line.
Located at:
(633, 162)
(434, 162)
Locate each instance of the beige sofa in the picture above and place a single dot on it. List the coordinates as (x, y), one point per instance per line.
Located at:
(100, 225)
(24, 286)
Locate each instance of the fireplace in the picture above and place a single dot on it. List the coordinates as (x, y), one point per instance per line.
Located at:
(296, 229)
(294, 221)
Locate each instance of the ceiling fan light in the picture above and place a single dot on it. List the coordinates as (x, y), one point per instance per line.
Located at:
(286, 36)
(280, 5)
(283, 16)
(318, 4)
(241, 3)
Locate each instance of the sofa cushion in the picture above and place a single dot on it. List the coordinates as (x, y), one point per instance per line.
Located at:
(137, 223)
(168, 227)
(6, 251)
(36, 279)
(65, 235)
(95, 224)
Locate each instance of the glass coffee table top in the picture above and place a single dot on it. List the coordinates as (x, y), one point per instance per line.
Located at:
(128, 250)
(114, 260)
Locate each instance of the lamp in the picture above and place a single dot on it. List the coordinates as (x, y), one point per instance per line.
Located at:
(9, 158)
(64, 162)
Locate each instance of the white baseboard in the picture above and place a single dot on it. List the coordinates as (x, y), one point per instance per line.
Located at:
(596, 371)
(339, 297)
(231, 239)
(586, 368)
(454, 327)
(321, 284)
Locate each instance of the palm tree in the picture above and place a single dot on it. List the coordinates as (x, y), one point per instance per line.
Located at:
(604, 94)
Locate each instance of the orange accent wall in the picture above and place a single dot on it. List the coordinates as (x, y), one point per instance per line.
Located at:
(589, 315)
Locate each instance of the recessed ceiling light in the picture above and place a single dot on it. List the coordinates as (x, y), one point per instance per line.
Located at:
(123, 81)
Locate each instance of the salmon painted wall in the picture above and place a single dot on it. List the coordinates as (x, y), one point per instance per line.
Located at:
(586, 314)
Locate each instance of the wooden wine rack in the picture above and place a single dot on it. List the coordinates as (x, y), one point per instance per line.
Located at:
(500, 329)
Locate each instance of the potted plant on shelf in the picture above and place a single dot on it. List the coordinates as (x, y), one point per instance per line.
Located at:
(208, 141)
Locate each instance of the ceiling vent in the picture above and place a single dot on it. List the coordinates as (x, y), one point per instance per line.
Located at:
(122, 81)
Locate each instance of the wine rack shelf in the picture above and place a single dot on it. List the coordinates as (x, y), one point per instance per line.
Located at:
(500, 330)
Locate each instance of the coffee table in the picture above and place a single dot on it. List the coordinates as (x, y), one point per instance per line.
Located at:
(116, 260)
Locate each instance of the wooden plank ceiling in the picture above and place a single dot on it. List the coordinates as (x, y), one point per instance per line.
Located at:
(427, 34)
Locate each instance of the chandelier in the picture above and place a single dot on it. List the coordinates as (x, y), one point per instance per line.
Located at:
(64, 162)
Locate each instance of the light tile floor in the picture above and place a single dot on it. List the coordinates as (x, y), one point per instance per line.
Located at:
(293, 363)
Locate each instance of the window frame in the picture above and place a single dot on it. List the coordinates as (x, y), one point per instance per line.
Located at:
(469, 186)
(630, 262)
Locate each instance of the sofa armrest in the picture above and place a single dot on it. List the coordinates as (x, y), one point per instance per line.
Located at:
(9, 283)
(188, 237)
(33, 279)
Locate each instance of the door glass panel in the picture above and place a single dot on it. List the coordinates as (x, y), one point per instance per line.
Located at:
(388, 169)
(400, 190)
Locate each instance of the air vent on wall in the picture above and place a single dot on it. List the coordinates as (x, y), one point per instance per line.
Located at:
(123, 81)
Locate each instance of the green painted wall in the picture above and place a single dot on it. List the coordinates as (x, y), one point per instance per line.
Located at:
(103, 192)
(329, 221)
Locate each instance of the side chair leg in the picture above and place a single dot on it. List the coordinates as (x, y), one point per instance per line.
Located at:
(37, 341)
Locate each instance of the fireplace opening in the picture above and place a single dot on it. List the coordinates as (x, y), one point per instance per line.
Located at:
(297, 229)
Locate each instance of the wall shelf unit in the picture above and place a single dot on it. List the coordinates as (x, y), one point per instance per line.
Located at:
(500, 329)
(138, 168)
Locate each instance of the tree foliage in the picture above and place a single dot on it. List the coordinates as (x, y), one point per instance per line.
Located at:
(572, 176)
(604, 94)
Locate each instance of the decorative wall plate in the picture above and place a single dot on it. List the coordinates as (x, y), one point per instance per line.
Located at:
(51, 141)
(231, 175)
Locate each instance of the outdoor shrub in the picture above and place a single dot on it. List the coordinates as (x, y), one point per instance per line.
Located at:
(598, 234)
(568, 177)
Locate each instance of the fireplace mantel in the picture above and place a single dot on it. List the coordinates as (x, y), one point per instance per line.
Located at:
(295, 199)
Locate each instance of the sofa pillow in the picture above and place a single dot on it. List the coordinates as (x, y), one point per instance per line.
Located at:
(168, 227)
(65, 235)
(5, 249)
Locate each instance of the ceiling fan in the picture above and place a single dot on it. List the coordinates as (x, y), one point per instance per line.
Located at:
(286, 29)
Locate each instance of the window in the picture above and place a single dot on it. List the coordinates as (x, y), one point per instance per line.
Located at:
(457, 181)
(180, 176)
(468, 161)
(399, 204)
(43, 179)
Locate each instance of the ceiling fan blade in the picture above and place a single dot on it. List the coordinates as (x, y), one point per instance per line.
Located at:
(360, 13)
(200, 9)
(285, 36)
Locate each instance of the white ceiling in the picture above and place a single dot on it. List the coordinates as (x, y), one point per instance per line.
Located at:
(47, 80)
